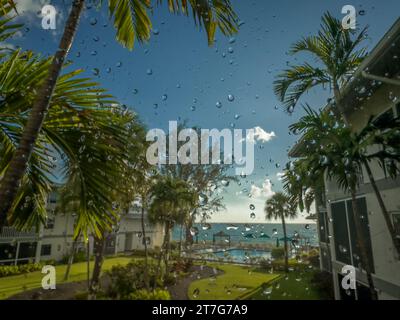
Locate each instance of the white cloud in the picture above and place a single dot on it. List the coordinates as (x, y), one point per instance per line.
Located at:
(29, 7)
(265, 191)
(260, 135)
(5, 45)
(280, 175)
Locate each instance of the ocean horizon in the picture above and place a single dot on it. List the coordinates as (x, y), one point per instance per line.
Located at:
(268, 233)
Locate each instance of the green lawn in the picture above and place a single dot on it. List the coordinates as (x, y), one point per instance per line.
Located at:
(14, 284)
(234, 283)
(295, 286)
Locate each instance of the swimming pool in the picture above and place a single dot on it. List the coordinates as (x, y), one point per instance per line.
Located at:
(239, 255)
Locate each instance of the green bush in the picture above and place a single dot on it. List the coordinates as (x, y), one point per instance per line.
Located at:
(323, 282)
(278, 253)
(182, 265)
(79, 256)
(169, 280)
(125, 280)
(265, 264)
(157, 294)
(6, 271)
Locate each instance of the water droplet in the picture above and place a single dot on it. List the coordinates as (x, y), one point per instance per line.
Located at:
(156, 32)
(225, 183)
(93, 21)
(231, 98)
(252, 215)
(196, 292)
(206, 226)
(252, 207)
(203, 199)
(232, 227)
(218, 105)
(149, 72)
(164, 97)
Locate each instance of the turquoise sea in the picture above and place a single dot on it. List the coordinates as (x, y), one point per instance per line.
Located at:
(251, 233)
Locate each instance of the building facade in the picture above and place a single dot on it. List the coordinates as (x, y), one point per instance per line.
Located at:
(373, 92)
(53, 241)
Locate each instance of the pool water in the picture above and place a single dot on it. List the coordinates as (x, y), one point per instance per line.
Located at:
(242, 255)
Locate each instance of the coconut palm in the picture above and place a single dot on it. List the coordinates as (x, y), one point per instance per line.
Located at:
(132, 23)
(323, 131)
(171, 199)
(337, 53)
(80, 131)
(302, 185)
(333, 149)
(280, 206)
(336, 50)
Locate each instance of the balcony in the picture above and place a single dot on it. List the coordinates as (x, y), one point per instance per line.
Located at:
(8, 233)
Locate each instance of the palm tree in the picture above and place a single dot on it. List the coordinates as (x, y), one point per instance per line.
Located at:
(79, 109)
(324, 131)
(280, 206)
(336, 151)
(171, 199)
(84, 138)
(132, 22)
(336, 51)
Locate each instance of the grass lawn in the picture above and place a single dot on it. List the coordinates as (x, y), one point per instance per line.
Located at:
(14, 284)
(295, 286)
(235, 282)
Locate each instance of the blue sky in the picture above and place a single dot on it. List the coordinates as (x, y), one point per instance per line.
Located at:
(194, 76)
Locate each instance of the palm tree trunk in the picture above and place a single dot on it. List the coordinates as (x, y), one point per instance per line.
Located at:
(365, 263)
(167, 251)
(339, 110)
(98, 263)
(146, 272)
(188, 234)
(392, 231)
(71, 258)
(162, 253)
(285, 242)
(180, 240)
(88, 264)
(19, 162)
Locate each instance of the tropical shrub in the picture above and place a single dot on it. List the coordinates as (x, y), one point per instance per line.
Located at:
(6, 271)
(157, 294)
(323, 282)
(79, 256)
(265, 264)
(182, 265)
(278, 253)
(169, 279)
(125, 280)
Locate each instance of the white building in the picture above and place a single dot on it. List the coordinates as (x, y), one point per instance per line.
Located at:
(54, 241)
(374, 92)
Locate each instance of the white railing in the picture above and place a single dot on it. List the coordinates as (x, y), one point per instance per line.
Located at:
(11, 232)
